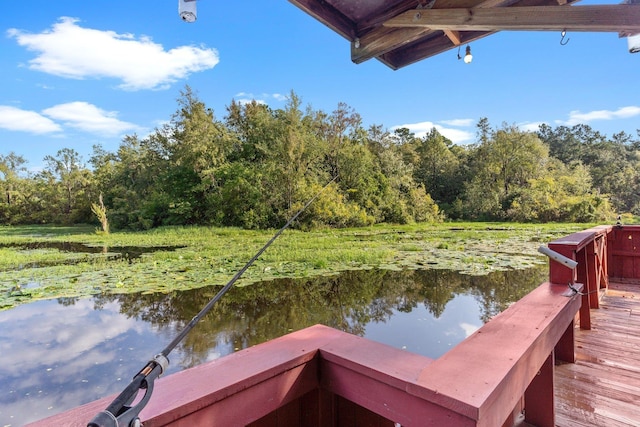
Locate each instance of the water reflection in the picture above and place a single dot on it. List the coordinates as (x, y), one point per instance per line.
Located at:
(59, 354)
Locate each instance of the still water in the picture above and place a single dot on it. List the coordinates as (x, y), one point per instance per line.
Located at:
(55, 355)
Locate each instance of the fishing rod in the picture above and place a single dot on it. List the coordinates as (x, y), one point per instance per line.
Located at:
(120, 412)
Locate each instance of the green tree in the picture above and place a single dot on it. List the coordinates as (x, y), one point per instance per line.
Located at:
(68, 189)
(437, 167)
(612, 163)
(564, 193)
(197, 145)
(132, 180)
(294, 154)
(563, 143)
(240, 197)
(343, 121)
(500, 167)
(252, 126)
(12, 166)
(403, 200)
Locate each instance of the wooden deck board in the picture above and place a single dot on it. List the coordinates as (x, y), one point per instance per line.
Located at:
(603, 387)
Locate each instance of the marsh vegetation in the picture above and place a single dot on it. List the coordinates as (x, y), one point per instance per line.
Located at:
(72, 262)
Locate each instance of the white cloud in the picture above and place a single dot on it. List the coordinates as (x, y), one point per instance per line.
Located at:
(71, 51)
(58, 348)
(15, 119)
(459, 122)
(468, 328)
(59, 336)
(246, 97)
(421, 129)
(89, 118)
(457, 136)
(576, 117)
(530, 127)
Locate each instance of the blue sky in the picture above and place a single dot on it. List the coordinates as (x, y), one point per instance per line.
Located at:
(77, 73)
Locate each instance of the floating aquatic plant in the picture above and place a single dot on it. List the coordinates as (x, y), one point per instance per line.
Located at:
(180, 258)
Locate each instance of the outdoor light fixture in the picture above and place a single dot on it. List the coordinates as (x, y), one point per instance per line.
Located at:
(467, 56)
(634, 43)
(187, 10)
(633, 40)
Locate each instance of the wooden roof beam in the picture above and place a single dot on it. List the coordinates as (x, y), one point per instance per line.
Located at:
(377, 20)
(381, 40)
(454, 36)
(425, 49)
(335, 19)
(597, 18)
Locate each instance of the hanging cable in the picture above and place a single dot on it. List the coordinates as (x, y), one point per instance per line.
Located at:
(576, 291)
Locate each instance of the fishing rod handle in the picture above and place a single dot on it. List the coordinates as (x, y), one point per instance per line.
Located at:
(107, 419)
(104, 419)
(119, 413)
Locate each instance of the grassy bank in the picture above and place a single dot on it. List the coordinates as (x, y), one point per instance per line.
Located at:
(34, 266)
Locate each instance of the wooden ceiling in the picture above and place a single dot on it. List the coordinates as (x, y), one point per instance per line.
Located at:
(401, 32)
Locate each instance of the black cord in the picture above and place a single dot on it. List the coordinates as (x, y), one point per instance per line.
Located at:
(577, 292)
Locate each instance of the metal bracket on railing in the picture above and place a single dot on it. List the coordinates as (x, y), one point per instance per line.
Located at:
(567, 262)
(574, 289)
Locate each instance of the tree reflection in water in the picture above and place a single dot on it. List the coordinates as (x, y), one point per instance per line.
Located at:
(76, 350)
(249, 315)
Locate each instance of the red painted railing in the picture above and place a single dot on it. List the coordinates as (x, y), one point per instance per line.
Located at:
(589, 249)
(624, 252)
(601, 252)
(319, 376)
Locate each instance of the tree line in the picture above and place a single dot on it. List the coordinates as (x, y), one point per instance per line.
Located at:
(258, 165)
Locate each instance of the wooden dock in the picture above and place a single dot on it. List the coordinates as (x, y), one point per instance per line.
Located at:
(603, 387)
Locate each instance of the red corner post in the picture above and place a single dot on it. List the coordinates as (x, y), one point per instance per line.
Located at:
(561, 274)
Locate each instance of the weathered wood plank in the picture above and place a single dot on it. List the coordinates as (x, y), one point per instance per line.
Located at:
(603, 387)
(376, 40)
(590, 374)
(608, 18)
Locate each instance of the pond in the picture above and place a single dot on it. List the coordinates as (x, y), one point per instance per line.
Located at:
(58, 354)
